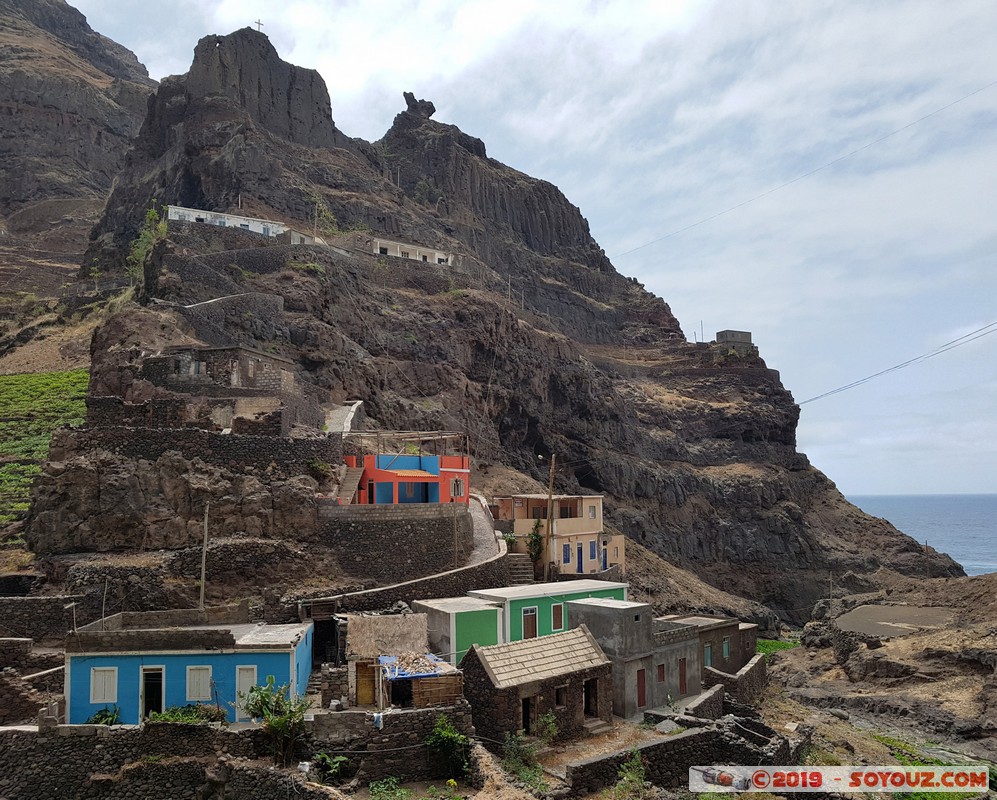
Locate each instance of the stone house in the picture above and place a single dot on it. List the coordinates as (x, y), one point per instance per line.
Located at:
(150, 661)
(654, 662)
(511, 685)
(726, 643)
(576, 541)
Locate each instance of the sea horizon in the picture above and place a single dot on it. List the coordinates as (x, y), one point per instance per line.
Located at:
(963, 525)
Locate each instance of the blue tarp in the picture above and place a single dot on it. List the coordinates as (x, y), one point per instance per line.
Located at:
(393, 673)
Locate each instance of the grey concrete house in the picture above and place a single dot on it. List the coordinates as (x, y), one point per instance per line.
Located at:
(511, 685)
(726, 643)
(654, 661)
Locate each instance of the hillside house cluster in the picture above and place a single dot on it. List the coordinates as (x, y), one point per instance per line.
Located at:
(575, 541)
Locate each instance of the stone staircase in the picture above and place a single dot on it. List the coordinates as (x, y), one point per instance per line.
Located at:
(520, 569)
(594, 726)
(348, 486)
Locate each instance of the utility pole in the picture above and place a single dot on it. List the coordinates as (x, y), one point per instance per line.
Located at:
(550, 516)
(204, 553)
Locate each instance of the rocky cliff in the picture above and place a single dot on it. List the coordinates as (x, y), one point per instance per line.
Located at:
(70, 102)
(530, 341)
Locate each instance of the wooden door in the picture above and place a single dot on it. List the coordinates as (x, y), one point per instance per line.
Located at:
(365, 684)
(529, 623)
(641, 689)
(683, 687)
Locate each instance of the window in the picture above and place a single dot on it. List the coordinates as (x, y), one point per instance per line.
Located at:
(425, 258)
(566, 555)
(708, 655)
(726, 647)
(198, 683)
(636, 617)
(441, 261)
(252, 368)
(560, 696)
(382, 251)
(565, 512)
(661, 673)
(616, 552)
(592, 550)
(557, 616)
(539, 512)
(244, 226)
(405, 254)
(517, 503)
(591, 512)
(103, 684)
(457, 487)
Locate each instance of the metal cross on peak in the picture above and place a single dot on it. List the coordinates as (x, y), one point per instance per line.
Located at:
(258, 24)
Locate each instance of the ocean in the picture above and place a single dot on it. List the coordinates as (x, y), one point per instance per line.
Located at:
(962, 525)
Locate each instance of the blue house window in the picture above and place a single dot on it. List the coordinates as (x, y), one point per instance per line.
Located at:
(592, 550)
(566, 555)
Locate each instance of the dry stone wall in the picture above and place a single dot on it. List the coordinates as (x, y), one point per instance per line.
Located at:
(38, 617)
(19, 702)
(398, 542)
(743, 686)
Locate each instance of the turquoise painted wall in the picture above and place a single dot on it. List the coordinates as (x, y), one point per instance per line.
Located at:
(544, 605)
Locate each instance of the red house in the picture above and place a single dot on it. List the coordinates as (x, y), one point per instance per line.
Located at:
(389, 479)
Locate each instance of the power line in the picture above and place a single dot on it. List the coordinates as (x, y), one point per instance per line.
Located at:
(972, 336)
(806, 174)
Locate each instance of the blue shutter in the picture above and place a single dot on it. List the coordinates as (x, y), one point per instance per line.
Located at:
(566, 559)
(592, 552)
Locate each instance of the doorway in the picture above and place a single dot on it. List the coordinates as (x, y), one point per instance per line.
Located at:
(641, 689)
(153, 687)
(683, 686)
(530, 705)
(578, 561)
(530, 622)
(590, 697)
(245, 679)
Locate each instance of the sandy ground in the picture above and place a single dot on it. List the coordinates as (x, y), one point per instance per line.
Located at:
(893, 620)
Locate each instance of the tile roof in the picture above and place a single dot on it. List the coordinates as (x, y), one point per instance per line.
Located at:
(538, 659)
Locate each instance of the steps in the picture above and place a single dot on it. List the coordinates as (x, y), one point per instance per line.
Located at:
(594, 726)
(520, 569)
(314, 683)
(349, 484)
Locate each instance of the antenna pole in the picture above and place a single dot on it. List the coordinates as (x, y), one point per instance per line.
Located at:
(550, 517)
(204, 554)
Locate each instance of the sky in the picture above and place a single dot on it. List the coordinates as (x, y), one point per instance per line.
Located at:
(822, 174)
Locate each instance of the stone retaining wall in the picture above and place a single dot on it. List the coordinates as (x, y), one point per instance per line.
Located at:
(709, 705)
(743, 686)
(667, 762)
(230, 451)
(14, 652)
(19, 702)
(397, 542)
(38, 617)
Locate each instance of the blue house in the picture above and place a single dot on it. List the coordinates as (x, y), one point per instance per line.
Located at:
(141, 669)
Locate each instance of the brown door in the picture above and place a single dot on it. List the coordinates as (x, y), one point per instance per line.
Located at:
(365, 684)
(641, 689)
(683, 689)
(529, 623)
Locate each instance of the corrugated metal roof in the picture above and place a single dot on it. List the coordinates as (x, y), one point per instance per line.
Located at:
(412, 473)
(538, 659)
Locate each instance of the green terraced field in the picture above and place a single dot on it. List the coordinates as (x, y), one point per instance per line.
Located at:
(31, 407)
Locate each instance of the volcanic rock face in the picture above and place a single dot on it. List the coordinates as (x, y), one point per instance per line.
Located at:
(530, 341)
(70, 102)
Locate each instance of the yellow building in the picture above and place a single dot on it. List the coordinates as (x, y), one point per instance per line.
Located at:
(575, 541)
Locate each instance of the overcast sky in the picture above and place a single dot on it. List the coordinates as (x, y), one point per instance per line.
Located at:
(654, 116)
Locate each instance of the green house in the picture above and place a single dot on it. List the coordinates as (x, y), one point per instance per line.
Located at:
(456, 623)
(538, 609)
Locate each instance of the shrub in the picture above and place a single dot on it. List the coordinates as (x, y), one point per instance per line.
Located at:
(546, 728)
(330, 768)
(535, 543)
(191, 714)
(387, 789)
(632, 783)
(449, 747)
(283, 716)
(108, 715)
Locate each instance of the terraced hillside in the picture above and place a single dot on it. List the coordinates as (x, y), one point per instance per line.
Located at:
(31, 407)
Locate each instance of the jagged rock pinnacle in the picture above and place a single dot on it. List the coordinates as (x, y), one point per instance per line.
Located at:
(421, 108)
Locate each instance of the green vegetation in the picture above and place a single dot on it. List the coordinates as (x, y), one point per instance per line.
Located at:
(192, 714)
(153, 230)
(535, 543)
(310, 267)
(769, 646)
(908, 755)
(319, 469)
(546, 728)
(31, 407)
(426, 193)
(330, 768)
(108, 715)
(449, 748)
(519, 758)
(388, 789)
(283, 716)
(632, 783)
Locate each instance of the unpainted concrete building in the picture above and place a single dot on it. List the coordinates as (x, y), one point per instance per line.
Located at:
(726, 643)
(655, 662)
